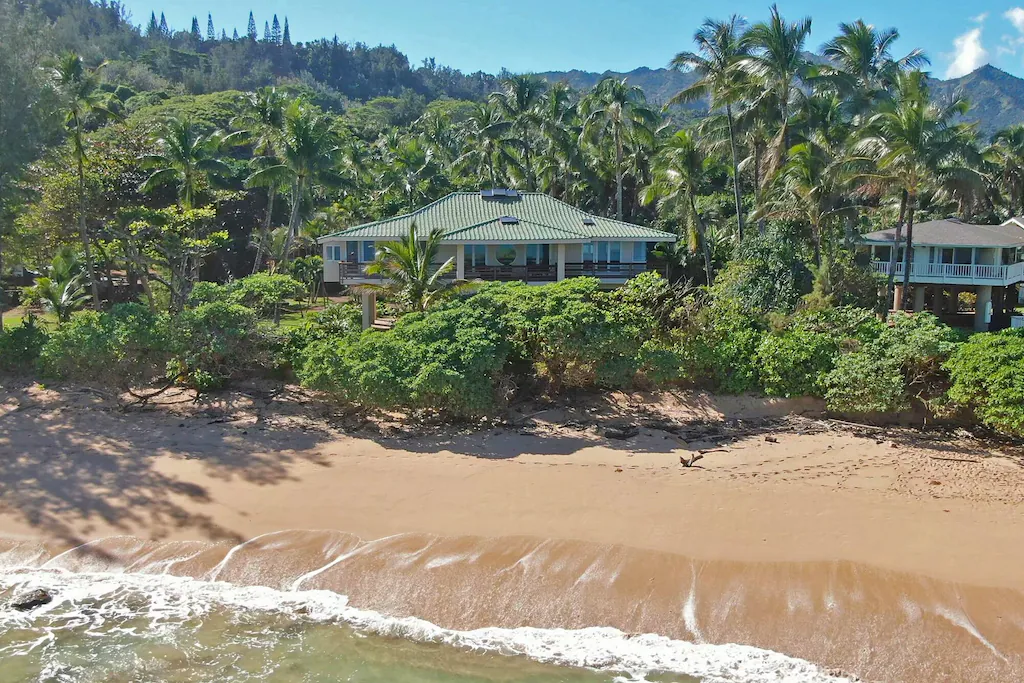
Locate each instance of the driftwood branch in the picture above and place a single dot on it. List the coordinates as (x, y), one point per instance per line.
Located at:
(939, 457)
(143, 399)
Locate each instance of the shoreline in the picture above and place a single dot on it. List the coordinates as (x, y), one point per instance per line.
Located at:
(802, 523)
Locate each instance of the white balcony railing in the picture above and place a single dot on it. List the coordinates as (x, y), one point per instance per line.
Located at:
(955, 271)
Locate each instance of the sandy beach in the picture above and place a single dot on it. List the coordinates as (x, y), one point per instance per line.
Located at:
(887, 553)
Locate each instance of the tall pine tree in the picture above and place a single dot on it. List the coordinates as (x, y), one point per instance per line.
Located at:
(252, 27)
(275, 31)
(211, 33)
(164, 29)
(234, 34)
(224, 34)
(286, 37)
(266, 31)
(195, 29)
(152, 28)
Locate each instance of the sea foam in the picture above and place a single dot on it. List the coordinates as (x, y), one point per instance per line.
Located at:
(172, 600)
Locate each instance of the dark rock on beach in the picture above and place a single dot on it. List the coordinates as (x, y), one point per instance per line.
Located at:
(621, 432)
(29, 600)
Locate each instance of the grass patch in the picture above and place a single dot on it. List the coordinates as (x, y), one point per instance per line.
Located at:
(15, 316)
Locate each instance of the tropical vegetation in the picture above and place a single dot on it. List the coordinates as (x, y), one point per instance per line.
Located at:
(176, 182)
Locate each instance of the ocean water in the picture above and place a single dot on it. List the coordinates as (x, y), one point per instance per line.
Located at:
(321, 605)
(125, 627)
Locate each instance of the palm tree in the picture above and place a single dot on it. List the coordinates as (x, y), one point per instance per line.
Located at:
(186, 158)
(261, 122)
(681, 170)
(485, 135)
(413, 278)
(79, 88)
(862, 69)
(915, 142)
(439, 135)
(776, 62)
(62, 292)
(719, 50)
(409, 172)
(561, 157)
(518, 102)
(1007, 153)
(814, 184)
(611, 110)
(308, 154)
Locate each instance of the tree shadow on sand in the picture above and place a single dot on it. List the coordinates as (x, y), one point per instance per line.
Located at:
(71, 464)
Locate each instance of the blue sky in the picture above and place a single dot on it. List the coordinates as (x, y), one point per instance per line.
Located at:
(598, 35)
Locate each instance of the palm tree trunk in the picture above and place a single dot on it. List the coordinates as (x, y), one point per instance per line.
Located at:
(3, 292)
(757, 187)
(735, 171)
(705, 249)
(908, 256)
(293, 222)
(618, 175)
(265, 232)
(83, 232)
(816, 237)
(891, 286)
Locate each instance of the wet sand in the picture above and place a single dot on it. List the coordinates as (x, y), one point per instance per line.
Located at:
(885, 554)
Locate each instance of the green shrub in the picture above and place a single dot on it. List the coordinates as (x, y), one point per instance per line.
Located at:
(768, 275)
(333, 322)
(660, 365)
(207, 292)
(447, 360)
(579, 335)
(795, 359)
(986, 374)
(794, 362)
(262, 292)
(21, 345)
(216, 342)
(841, 281)
(125, 346)
(718, 348)
(903, 363)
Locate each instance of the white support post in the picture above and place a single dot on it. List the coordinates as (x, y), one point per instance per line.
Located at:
(983, 308)
(919, 291)
(369, 310)
(561, 262)
(460, 262)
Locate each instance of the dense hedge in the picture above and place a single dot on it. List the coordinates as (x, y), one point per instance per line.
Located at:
(129, 345)
(903, 362)
(987, 375)
(125, 346)
(20, 346)
(469, 355)
(448, 360)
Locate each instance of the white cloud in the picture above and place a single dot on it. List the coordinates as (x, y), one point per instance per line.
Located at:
(1016, 17)
(980, 19)
(968, 54)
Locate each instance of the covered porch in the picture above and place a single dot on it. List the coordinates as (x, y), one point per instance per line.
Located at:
(991, 309)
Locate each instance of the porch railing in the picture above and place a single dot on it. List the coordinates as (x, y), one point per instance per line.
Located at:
(349, 272)
(954, 271)
(513, 273)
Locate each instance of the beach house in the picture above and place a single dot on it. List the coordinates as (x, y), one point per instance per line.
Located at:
(505, 235)
(950, 257)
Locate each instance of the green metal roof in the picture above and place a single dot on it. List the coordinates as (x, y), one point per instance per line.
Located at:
(469, 217)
